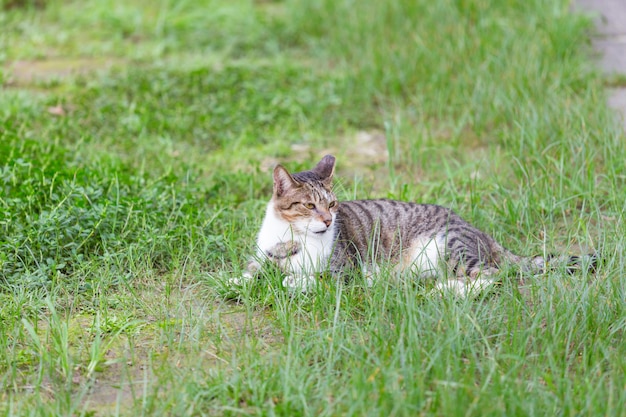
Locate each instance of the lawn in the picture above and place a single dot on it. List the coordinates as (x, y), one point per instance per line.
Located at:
(137, 139)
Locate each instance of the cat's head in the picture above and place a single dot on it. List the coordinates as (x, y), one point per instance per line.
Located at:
(305, 199)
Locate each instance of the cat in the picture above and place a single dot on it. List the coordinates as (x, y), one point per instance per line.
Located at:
(306, 231)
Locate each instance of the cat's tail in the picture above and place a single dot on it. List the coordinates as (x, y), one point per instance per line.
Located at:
(543, 264)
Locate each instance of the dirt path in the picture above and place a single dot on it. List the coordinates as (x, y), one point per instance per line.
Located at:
(610, 42)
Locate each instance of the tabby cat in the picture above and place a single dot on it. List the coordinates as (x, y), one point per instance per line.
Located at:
(306, 231)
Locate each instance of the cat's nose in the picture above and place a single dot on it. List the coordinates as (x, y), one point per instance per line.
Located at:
(327, 222)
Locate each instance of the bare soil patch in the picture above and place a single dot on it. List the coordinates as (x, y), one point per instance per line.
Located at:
(22, 74)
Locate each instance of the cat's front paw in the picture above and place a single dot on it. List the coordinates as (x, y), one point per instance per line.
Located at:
(301, 283)
(245, 278)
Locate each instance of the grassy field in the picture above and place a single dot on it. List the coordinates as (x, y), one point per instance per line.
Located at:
(136, 145)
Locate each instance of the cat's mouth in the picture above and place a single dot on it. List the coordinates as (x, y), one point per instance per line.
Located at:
(320, 231)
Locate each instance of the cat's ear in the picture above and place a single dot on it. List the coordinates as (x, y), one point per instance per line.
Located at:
(325, 169)
(283, 181)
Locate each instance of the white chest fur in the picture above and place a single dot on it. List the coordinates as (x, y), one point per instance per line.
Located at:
(314, 249)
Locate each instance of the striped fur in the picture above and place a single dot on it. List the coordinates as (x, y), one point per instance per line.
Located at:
(306, 231)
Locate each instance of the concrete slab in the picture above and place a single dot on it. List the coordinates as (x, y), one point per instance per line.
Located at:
(612, 54)
(610, 14)
(610, 43)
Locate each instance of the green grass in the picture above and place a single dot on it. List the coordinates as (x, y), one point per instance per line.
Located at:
(136, 141)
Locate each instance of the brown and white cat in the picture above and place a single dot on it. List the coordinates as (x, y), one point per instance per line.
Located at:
(306, 232)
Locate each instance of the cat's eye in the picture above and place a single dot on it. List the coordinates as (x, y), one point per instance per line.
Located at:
(332, 204)
(310, 206)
